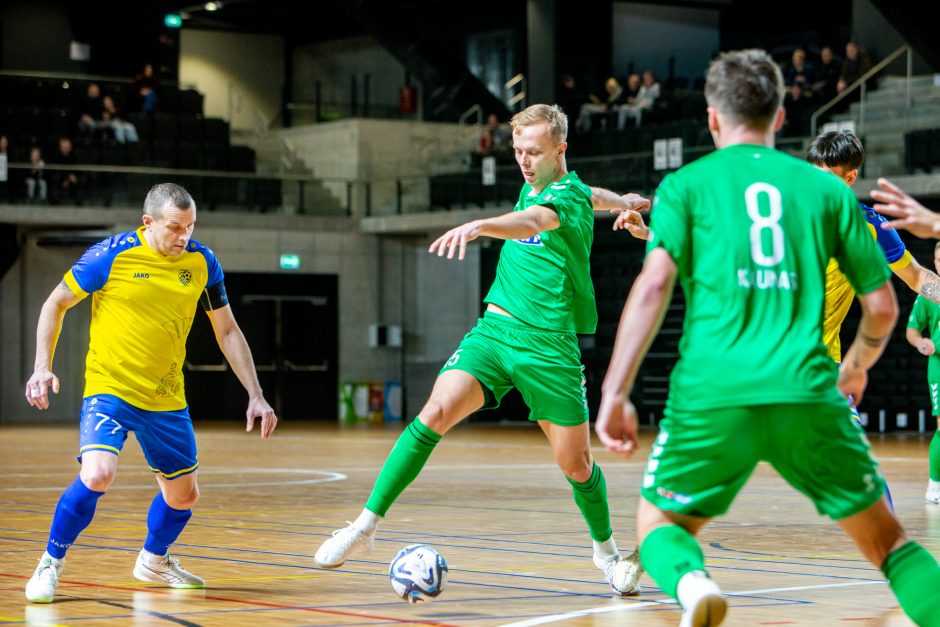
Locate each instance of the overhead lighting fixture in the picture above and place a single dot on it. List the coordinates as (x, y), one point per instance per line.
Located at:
(213, 6)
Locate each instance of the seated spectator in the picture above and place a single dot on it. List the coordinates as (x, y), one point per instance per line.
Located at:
(570, 98)
(615, 96)
(65, 184)
(827, 75)
(856, 64)
(798, 77)
(632, 90)
(90, 109)
(649, 92)
(145, 91)
(495, 139)
(123, 130)
(36, 190)
(4, 170)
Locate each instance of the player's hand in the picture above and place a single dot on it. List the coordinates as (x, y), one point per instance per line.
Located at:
(911, 215)
(455, 240)
(259, 408)
(37, 388)
(925, 347)
(633, 202)
(616, 424)
(633, 222)
(852, 382)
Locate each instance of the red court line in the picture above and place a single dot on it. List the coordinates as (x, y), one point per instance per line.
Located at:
(276, 606)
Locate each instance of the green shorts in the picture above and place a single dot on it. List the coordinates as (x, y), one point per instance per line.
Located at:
(700, 460)
(934, 386)
(545, 366)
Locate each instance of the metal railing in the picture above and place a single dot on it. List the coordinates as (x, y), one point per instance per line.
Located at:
(860, 85)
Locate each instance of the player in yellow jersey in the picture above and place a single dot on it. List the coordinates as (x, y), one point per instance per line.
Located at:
(841, 153)
(145, 286)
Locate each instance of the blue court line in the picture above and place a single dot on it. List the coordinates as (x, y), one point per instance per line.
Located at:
(721, 547)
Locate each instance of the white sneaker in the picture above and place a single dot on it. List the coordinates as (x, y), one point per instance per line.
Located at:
(702, 601)
(41, 586)
(932, 496)
(623, 574)
(344, 543)
(165, 569)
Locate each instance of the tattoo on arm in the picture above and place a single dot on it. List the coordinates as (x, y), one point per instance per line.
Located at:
(931, 287)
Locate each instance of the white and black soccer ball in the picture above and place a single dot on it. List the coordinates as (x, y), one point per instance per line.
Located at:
(418, 573)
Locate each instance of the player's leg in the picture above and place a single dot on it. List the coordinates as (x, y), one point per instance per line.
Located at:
(169, 445)
(571, 446)
(857, 421)
(933, 484)
(101, 440)
(913, 573)
(674, 559)
(824, 456)
(698, 463)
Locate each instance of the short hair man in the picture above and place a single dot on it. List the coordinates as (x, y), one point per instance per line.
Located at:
(145, 286)
(749, 230)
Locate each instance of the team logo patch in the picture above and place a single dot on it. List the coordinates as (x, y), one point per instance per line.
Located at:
(535, 240)
(185, 277)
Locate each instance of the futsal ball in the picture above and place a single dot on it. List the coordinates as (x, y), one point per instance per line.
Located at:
(418, 573)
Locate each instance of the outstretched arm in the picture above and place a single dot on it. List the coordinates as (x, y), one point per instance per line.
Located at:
(642, 316)
(47, 336)
(232, 342)
(514, 225)
(910, 215)
(921, 280)
(627, 207)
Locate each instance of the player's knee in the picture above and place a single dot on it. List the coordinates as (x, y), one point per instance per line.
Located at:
(182, 499)
(578, 470)
(98, 479)
(434, 416)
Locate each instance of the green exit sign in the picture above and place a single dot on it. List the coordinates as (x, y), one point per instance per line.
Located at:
(290, 262)
(172, 20)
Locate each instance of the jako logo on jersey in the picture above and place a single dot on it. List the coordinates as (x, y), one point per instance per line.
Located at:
(141, 275)
(535, 240)
(185, 277)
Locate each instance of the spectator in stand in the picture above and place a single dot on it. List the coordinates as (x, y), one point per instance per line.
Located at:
(632, 89)
(4, 171)
(36, 189)
(123, 130)
(495, 140)
(90, 109)
(827, 75)
(570, 98)
(649, 92)
(65, 184)
(856, 64)
(798, 79)
(615, 98)
(145, 90)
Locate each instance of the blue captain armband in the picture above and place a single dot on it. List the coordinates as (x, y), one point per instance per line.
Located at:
(214, 297)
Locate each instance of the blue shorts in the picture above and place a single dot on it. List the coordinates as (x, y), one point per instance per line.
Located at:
(166, 437)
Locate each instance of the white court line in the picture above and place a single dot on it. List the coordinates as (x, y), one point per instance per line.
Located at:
(325, 476)
(554, 618)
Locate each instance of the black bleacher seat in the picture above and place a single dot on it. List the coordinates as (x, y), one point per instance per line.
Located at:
(190, 102)
(165, 128)
(216, 131)
(190, 155)
(168, 99)
(191, 128)
(241, 159)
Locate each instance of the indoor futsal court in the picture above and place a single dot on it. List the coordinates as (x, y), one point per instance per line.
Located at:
(491, 501)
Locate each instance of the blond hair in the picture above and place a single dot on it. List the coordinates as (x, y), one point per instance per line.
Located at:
(550, 114)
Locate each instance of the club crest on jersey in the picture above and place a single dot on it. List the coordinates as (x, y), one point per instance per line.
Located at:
(185, 277)
(535, 240)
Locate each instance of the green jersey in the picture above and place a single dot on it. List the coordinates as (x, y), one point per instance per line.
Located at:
(751, 230)
(545, 280)
(926, 316)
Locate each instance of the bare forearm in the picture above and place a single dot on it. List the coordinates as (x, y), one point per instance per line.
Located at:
(605, 200)
(238, 354)
(47, 335)
(874, 331)
(516, 225)
(929, 286)
(642, 316)
(913, 337)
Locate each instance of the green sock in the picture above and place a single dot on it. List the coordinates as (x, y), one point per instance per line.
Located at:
(403, 464)
(591, 499)
(668, 553)
(915, 578)
(935, 456)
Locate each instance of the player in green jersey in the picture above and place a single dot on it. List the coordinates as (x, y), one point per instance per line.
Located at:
(748, 231)
(926, 316)
(541, 299)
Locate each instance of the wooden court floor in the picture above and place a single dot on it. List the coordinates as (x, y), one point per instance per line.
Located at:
(490, 500)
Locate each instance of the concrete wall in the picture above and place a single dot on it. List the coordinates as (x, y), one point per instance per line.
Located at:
(252, 64)
(23, 49)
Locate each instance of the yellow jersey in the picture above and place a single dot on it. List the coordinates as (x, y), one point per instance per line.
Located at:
(142, 309)
(839, 294)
